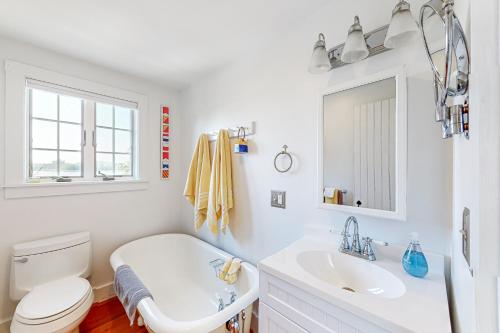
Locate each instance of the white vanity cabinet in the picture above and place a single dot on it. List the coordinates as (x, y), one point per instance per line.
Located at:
(311, 287)
(285, 308)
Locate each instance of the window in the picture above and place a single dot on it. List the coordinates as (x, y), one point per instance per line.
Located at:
(57, 125)
(58, 128)
(114, 153)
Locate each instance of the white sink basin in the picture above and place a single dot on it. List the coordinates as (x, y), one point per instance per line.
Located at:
(351, 274)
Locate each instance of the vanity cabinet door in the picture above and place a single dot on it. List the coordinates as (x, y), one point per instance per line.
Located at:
(271, 321)
(308, 312)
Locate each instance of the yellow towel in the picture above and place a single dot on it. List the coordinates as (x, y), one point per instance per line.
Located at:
(336, 197)
(220, 197)
(232, 274)
(225, 269)
(198, 181)
(333, 196)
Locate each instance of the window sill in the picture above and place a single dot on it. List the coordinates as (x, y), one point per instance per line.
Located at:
(30, 190)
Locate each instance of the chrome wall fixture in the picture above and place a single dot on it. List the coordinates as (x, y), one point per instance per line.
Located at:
(448, 54)
(284, 152)
(358, 46)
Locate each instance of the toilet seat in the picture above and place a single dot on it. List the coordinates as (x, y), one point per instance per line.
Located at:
(52, 300)
(54, 306)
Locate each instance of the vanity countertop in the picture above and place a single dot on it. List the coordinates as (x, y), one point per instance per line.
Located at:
(422, 308)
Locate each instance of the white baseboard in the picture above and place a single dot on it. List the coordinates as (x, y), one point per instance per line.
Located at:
(102, 292)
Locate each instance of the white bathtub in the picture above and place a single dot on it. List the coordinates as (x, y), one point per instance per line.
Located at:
(175, 268)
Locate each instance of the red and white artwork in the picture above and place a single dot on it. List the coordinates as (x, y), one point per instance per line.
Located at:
(165, 142)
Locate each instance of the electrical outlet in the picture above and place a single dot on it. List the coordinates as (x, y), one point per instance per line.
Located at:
(278, 199)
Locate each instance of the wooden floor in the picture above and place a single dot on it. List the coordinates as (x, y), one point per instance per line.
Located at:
(108, 316)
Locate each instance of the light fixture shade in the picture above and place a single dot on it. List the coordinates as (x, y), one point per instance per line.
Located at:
(320, 63)
(355, 48)
(403, 27)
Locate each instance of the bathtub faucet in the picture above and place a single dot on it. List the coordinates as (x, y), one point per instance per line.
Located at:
(222, 304)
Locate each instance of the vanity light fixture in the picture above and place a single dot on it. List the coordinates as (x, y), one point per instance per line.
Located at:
(402, 28)
(359, 46)
(355, 48)
(320, 63)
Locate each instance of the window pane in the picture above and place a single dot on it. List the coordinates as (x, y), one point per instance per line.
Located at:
(123, 165)
(104, 163)
(70, 163)
(43, 104)
(123, 118)
(70, 136)
(123, 141)
(44, 163)
(104, 139)
(103, 115)
(70, 109)
(44, 134)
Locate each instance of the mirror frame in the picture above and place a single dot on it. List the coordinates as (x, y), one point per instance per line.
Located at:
(399, 74)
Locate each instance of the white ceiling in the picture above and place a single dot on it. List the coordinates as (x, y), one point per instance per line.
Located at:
(170, 41)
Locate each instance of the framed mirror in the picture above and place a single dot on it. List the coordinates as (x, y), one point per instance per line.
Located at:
(362, 140)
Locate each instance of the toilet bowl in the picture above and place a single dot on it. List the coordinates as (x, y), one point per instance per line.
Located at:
(47, 278)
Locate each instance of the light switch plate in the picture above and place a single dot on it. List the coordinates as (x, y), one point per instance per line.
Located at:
(278, 199)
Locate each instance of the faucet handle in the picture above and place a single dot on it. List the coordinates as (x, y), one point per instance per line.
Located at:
(379, 242)
(232, 295)
(368, 249)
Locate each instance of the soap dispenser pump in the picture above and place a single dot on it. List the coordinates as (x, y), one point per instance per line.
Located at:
(414, 262)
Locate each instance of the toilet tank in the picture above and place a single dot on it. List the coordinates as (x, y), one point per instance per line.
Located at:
(41, 261)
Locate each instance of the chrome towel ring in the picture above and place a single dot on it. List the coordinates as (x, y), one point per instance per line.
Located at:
(283, 152)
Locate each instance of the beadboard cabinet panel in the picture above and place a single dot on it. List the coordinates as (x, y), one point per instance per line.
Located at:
(309, 312)
(271, 321)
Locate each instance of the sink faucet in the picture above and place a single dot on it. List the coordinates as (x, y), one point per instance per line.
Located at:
(354, 248)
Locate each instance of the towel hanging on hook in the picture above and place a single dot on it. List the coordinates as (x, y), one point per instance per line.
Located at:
(241, 147)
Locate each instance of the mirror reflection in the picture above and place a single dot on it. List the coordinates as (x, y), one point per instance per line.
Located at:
(359, 146)
(434, 30)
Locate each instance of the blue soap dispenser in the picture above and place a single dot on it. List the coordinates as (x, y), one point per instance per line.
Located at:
(414, 261)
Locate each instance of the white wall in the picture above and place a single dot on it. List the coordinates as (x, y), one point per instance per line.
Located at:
(476, 181)
(112, 218)
(272, 87)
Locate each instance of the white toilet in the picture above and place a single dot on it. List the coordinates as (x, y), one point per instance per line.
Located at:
(48, 277)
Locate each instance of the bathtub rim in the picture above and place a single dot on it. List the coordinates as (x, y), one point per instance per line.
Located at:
(159, 322)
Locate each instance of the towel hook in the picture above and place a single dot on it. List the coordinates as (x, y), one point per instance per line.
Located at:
(242, 129)
(283, 152)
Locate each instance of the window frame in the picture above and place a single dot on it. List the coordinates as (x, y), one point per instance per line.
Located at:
(15, 180)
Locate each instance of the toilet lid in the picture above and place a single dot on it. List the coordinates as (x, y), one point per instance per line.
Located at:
(52, 298)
